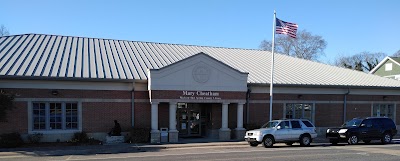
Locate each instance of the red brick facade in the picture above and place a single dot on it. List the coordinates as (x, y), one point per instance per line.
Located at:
(98, 116)
(17, 119)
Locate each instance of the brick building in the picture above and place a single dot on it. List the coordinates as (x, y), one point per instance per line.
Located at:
(67, 84)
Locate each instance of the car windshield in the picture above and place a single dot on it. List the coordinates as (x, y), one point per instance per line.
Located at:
(352, 123)
(270, 124)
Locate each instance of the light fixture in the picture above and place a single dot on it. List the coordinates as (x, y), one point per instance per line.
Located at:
(54, 92)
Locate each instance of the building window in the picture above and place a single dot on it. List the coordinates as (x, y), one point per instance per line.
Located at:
(71, 116)
(299, 111)
(39, 116)
(55, 116)
(383, 110)
(388, 67)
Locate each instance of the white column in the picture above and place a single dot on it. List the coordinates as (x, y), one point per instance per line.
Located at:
(224, 116)
(154, 116)
(172, 116)
(240, 116)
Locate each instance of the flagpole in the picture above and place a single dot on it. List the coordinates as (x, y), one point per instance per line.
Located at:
(272, 68)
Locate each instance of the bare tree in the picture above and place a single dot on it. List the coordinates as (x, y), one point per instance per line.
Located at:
(396, 54)
(305, 45)
(3, 31)
(364, 61)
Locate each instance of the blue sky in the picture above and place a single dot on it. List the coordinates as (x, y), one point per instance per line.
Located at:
(348, 26)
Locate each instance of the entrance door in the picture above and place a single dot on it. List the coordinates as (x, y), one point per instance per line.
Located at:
(189, 119)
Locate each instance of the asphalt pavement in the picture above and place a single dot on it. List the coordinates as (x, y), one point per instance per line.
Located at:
(124, 148)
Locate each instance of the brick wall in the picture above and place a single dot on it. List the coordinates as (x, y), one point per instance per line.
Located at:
(259, 113)
(142, 114)
(328, 115)
(358, 110)
(163, 115)
(16, 120)
(232, 115)
(398, 115)
(216, 116)
(100, 116)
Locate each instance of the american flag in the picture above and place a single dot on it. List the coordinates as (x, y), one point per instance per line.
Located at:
(286, 28)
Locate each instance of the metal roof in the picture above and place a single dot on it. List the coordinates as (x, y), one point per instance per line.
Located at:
(40, 56)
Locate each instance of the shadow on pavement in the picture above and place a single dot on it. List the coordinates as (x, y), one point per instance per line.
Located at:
(78, 150)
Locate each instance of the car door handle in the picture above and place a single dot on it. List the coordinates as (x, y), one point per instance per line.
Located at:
(364, 132)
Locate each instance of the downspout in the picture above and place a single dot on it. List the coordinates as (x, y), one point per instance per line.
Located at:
(247, 105)
(133, 104)
(345, 105)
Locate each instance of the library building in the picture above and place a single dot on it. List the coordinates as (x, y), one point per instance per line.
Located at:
(67, 84)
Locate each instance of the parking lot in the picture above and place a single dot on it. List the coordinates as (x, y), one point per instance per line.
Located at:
(213, 151)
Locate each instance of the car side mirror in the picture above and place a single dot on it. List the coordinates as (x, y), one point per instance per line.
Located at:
(278, 127)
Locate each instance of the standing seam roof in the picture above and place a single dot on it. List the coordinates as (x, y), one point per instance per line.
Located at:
(51, 56)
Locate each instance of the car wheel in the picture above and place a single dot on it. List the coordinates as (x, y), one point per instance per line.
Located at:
(253, 144)
(367, 141)
(387, 138)
(334, 142)
(353, 139)
(268, 141)
(305, 140)
(289, 143)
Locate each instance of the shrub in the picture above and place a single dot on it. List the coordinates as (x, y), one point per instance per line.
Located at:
(80, 137)
(10, 140)
(35, 138)
(140, 135)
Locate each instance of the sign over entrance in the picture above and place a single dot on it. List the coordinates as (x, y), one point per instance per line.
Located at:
(200, 95)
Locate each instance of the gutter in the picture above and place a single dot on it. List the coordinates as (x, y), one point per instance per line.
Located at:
(133, 104)
(247, 104)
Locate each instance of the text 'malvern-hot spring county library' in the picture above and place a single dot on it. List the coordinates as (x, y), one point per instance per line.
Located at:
(67, 84)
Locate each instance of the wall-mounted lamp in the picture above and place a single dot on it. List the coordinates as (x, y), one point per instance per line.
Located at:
(299, 96)
(54, 92)
(384, 97)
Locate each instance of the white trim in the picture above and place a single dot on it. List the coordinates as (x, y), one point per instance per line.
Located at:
(61, 131)
(381, 63)
(77, 85)
(303, 102)
(71, 99)
(199, 101)
(340, 91)
(388, 66)
(386, 103)
(321, 102)
(141, 86)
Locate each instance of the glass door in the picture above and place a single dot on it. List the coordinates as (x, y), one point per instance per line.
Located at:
(189, 120)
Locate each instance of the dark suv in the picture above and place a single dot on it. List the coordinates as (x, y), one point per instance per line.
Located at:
(365, 129)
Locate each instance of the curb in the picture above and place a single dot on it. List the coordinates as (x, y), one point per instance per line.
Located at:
(188, 145)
